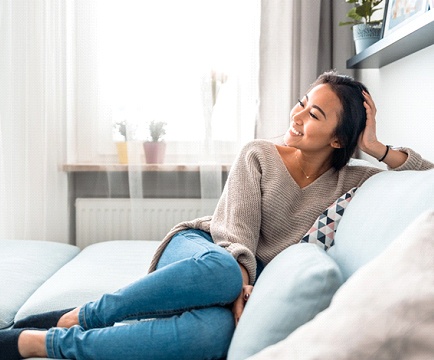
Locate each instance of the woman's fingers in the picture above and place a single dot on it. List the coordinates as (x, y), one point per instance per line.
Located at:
(240, 302)
(237, 308)
(247, 291)
(368, 141)
(370, 107)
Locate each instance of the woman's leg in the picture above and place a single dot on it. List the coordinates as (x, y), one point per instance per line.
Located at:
(196, 334)
(192, 273)
(185, 298)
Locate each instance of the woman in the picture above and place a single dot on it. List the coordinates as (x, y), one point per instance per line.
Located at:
(204, 271)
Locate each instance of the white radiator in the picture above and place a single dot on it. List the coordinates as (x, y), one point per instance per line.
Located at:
(134, 219)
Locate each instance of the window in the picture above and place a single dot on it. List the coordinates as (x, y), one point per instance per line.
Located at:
(192, 64)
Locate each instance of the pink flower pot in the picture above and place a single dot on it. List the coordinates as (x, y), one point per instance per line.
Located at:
(154, 152)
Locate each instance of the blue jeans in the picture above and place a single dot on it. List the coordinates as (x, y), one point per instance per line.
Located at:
(183, 307)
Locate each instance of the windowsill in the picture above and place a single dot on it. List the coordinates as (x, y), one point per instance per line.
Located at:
(116, 167)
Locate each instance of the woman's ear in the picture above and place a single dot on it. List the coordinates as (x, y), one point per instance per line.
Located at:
(336, 144)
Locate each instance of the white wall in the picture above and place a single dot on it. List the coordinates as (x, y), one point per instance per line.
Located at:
(404, 95)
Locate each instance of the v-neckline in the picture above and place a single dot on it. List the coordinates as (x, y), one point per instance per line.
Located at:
(282, 162)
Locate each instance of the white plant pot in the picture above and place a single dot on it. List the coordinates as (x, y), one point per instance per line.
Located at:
(365, 35)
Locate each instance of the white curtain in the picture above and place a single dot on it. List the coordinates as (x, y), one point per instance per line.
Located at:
(191, 64)
(33, 120)
(141, 61)
(71, 69)
(299, 40)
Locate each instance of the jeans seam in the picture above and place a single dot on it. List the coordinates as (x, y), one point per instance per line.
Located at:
(49, 343)
(82, 318)
(201, 254)
(187, 234)
(166, 313)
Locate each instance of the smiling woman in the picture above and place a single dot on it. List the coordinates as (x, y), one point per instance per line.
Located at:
(204, 270)
(324, 127)
(310, 116)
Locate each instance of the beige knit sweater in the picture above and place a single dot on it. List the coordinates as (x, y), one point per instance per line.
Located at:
(262, 210)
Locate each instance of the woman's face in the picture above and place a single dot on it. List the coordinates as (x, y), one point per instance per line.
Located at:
(313, 121)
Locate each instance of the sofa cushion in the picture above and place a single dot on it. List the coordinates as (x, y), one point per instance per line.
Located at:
(325, 226)
(99, 268)
(384, 311)
(291, 290)
(26, 265)
(380, 210)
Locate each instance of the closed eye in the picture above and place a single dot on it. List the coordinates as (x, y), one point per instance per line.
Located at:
(311, 114)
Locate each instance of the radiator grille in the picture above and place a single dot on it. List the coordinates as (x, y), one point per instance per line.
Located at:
(134, 219)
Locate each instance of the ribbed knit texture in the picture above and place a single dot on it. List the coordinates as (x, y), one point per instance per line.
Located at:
(263, 210)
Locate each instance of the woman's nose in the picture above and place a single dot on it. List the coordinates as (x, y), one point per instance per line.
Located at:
(298, 118)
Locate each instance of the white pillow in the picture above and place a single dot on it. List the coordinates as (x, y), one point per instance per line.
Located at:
(384, 311)
(295, 286)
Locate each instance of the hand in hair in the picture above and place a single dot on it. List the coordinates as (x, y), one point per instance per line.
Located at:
(368, 138)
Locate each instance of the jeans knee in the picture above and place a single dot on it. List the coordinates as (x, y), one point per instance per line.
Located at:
(226, 272)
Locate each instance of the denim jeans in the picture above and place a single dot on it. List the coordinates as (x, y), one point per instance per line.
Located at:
(182, 307)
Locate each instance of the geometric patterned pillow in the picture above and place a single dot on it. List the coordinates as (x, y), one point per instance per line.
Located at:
(323, 230)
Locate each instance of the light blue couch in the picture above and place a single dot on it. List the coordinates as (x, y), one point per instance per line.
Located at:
(299, 284)
(302, 281)
(39, 276)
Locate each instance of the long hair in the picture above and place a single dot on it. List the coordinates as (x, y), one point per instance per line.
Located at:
(352, 119)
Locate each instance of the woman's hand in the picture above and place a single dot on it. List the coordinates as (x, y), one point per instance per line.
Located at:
(368, 138)
(368, 142)
(240, 302)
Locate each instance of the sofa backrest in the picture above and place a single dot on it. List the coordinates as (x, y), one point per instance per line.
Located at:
(380, 210)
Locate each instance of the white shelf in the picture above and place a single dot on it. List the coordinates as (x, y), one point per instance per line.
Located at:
(414, 36)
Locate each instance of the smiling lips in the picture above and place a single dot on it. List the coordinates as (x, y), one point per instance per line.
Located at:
(295, 132)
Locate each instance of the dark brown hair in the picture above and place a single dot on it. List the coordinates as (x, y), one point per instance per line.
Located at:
(352, 119)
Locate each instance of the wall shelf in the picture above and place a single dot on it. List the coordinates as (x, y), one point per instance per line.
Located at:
(413, 36)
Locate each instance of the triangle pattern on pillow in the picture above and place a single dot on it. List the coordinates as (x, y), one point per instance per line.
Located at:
(323, 230)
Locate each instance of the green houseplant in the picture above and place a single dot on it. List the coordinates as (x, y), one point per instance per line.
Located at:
(155, 147)
(157, 130)
(366, 29)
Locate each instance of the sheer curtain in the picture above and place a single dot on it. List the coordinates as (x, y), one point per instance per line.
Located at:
(71, 69)
(33, 120)
(192, 65)
(300, 39)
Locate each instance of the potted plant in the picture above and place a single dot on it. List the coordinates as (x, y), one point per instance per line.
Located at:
(366, 30)
(155, 147)
(123, 134)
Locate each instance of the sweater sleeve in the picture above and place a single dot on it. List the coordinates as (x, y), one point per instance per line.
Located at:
(236, 221)
(414, 161)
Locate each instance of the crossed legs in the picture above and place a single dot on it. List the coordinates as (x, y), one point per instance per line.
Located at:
(182, 307)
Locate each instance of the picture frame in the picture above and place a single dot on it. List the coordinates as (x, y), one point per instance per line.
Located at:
(397, 13)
